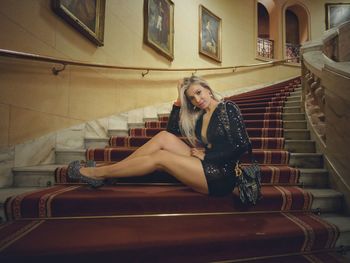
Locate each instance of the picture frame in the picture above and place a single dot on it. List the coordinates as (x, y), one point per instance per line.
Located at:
(336, 13)
(209, 34)
(159, 26)
(86, 16)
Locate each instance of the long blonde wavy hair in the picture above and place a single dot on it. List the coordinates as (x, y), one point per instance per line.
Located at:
(188, 112)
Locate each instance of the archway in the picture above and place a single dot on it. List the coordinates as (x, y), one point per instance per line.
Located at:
(296, 29)
(265, 46)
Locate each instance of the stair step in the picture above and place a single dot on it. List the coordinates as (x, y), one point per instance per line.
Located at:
(169, 238)
(292, 104)
(290, 109)
(66, 156)
(315, 178)
(163, 114)
(34, 176)
(150, 119)
(343, 223)
(296, 93)
(126, 199)
(296, 134)
(6, 192)
(294, 98)
(118, 132)
(136, 125)
(306, 160)
(299, 146)
(293, 116)
(328, 200)
(96, 142)
(294, 124)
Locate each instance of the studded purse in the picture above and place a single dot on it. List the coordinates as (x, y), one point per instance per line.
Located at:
(248, 177)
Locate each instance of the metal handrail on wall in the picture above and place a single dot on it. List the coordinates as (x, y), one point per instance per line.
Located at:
(64, 63)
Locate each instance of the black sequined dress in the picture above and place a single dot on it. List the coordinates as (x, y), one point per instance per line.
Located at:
(220, 154)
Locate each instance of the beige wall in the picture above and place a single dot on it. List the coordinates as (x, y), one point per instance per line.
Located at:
(34, 102)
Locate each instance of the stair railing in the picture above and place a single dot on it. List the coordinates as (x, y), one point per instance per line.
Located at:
(145, 70)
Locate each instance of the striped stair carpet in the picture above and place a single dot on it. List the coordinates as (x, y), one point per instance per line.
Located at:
(155, 218)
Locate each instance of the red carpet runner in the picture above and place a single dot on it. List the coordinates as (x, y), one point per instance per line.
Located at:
(156, 219)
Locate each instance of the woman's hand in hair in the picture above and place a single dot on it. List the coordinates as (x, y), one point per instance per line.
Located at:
(198, 153)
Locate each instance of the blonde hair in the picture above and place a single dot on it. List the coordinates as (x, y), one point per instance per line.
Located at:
(188, 112)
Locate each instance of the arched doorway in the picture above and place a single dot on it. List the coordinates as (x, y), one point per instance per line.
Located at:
(265, 46)
(296, 30)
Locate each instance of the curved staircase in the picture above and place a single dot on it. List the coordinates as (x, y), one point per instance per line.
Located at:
(156, 219)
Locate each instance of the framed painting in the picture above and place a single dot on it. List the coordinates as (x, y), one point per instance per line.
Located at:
(209, 34)
(159, 26)
(86, 16)
(336, 14)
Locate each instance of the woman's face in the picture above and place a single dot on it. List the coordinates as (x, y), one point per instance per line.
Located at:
(199, 96)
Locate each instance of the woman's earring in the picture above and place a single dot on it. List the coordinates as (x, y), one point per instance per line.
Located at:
(194, 107)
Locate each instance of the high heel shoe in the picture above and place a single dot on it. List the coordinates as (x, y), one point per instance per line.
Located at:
(73, 173)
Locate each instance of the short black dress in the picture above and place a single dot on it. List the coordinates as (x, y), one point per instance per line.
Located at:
(220, 154)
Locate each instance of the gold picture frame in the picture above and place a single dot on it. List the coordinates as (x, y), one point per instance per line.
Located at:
(209, 34)
(336, 13)
(86, 16)
(158, 24)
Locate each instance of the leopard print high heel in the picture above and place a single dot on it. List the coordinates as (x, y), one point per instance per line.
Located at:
(73, 173)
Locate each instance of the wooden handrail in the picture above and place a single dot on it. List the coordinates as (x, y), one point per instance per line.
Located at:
(65, 62)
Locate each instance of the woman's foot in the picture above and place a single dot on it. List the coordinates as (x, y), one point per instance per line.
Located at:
(74, 172)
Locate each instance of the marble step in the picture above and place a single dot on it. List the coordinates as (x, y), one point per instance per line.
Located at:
(145, 119)
(294, 98)
(34, 176)
(7, 192)
(63, 156)
(292, 104)
(136, 125)
(300, 146)
(293, 116)
(291, 109)
(296, 124)
(118, 132)
(343, 224)
(296, 134)
(315, 178)
(295, 93)
(306, 160)
(96, 142)
(327, 200)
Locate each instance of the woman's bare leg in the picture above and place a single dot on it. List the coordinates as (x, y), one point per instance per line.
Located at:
(162, 141)
(186, 169)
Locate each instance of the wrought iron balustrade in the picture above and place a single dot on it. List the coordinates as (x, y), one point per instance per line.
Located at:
(265, 47)
(293, 52)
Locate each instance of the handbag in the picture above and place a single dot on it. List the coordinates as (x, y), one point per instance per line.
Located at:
(248, 177)
(248, 182)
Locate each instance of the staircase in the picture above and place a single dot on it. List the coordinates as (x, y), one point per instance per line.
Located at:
(155, 218)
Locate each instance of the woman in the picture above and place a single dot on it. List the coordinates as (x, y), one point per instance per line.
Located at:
(196, 114)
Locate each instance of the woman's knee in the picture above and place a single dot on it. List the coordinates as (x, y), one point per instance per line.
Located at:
(165, 137)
